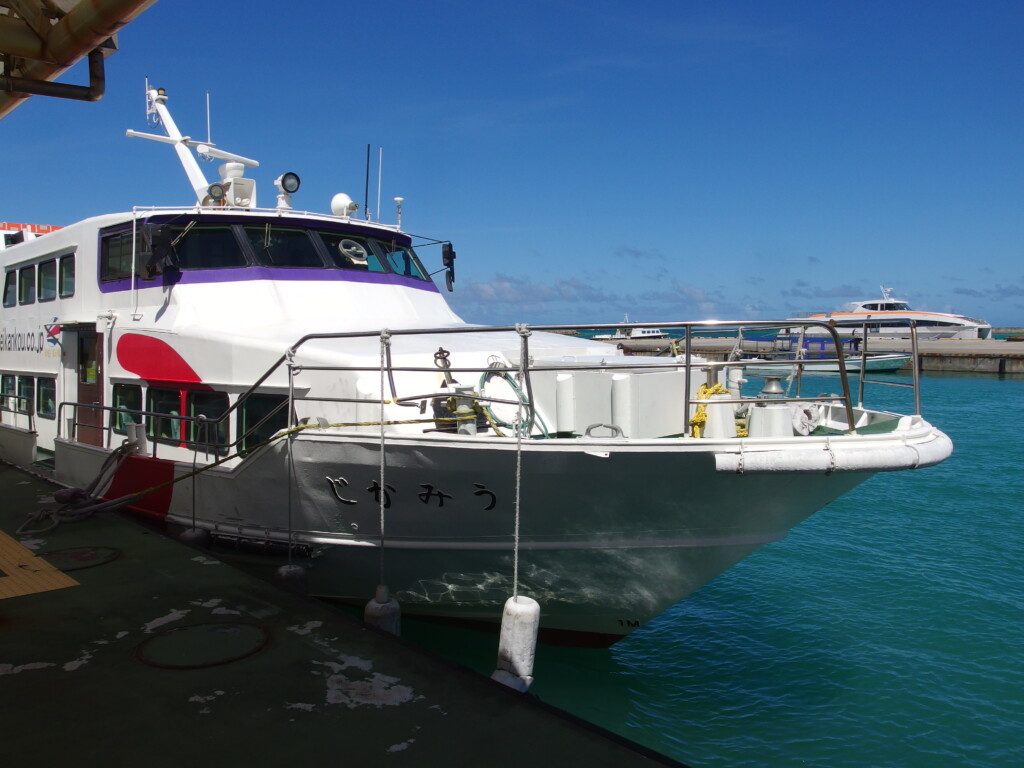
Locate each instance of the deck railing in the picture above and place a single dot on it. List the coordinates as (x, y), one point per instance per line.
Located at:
(23, 410)
(685, 360)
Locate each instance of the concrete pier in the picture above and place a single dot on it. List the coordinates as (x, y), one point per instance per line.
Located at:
(120, 646)
(999, 356)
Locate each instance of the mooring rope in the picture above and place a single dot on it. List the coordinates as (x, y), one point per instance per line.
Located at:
(83, 505)
(291, 458)
(195, 466)
(524, 334)
(385, 343)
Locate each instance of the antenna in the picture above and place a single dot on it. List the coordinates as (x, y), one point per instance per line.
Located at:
(366, 187)
(156, 102)
(208, 139)
(151, 115)
(380, 169)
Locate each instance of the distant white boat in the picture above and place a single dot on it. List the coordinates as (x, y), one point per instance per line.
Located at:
(889, 317)
(628, 333)
(884, 363)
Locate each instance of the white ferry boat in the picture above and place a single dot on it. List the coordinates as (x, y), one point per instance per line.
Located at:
(293, 385)
(891, 318)
(632, 332)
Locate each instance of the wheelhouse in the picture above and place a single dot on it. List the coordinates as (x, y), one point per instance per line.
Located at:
(189, 242)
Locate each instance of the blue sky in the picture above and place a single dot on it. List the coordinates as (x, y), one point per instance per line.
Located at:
(670, 160)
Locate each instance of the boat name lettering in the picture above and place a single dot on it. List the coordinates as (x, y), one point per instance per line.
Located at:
(375, 489)
(430, 491)
(22, 342)
(482, 491)
(339, 484)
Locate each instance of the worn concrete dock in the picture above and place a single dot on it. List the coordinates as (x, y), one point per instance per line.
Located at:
(121, 646)
(949, 355)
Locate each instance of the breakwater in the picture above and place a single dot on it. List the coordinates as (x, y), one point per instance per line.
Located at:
(998, 356)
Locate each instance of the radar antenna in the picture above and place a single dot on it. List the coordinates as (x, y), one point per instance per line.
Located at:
(233, 189)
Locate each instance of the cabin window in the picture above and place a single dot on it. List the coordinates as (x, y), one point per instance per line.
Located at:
(46, 397)
(260, 417)
(7, 387)
(128, 402)
(402, 259)
(283, 247)
(67, 276)
(26, 390)
(27, 285)
(11, 289)
(116, 256)
(211, 434)
(164, 428)
(48, 280)
(351, 252)
(206, 247)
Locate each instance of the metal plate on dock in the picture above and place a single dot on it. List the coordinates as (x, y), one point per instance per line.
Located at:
(77, 558)
(22, 572)
(201, 645)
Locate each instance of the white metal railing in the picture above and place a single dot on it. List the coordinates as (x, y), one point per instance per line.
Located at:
(684, 359)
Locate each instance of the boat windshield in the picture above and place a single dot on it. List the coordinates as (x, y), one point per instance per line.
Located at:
(888, 306)
(276, 246)
(351, 252)
(401, 259)
(205, 245)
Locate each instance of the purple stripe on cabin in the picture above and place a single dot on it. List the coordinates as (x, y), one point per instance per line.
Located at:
(243, 274)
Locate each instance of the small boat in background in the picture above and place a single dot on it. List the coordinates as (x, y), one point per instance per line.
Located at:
(881, 363)
(632, 333)
(816, 353)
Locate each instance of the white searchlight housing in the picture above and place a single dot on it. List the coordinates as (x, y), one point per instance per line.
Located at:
(216, 193)
(287, 184)
(343, 205)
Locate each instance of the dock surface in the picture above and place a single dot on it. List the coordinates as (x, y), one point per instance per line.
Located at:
(121, 646)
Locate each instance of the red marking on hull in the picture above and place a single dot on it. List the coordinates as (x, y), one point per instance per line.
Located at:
(138, 473)
(155, 360)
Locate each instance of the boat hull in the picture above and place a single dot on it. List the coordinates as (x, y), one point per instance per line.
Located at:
(602, 558)
(875, 364)
(899, 328)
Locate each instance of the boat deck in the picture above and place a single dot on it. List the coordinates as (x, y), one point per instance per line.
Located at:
(121, 645)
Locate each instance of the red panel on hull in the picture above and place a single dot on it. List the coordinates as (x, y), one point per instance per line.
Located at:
(154, 360)
(138, 473)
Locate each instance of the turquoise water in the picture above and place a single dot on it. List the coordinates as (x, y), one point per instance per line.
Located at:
(887, 630)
